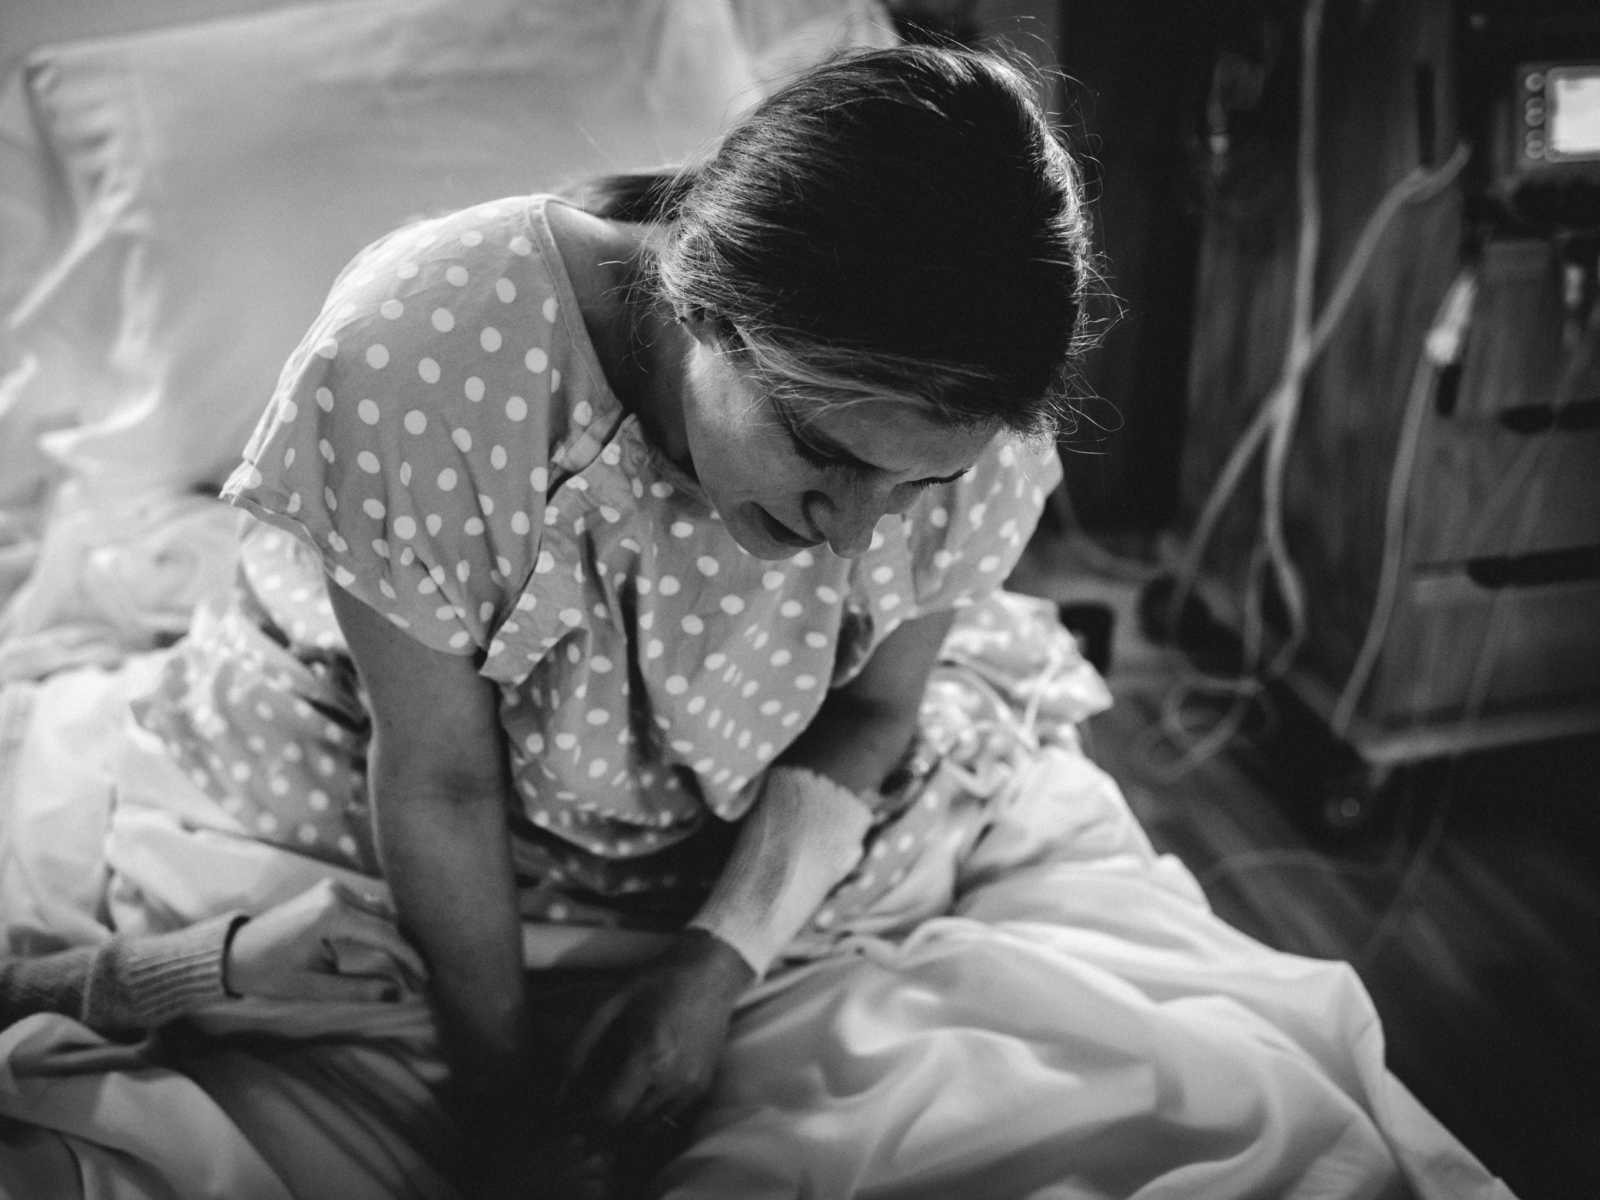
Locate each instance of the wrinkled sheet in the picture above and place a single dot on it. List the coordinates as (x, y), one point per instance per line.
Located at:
(1079, 1025)
(1080, 1028)
(105, 576)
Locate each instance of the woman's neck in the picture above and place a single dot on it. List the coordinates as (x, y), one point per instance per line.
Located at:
(657, 349)
(641, 348)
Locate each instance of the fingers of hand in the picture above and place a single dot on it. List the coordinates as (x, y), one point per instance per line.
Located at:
(627, 1099)
(583, 1064)
(330, 929)
(636, 1083)
(371, 899)
(363, 989)
(377, 933)
(668, 1131)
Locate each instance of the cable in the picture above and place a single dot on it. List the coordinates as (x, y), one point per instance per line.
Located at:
(1101, 561)
(1441, 348)
(1300, 352)
(1418, 185)
(1488, 651)
(1422, 858)
(1444, 346)
(1273, 425)
(1275, 414)
(1226, 870)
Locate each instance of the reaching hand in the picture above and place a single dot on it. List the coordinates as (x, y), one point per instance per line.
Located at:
(328, 943)
(647, 1057)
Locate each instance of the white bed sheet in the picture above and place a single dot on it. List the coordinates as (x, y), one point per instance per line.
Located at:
(1080, 1025)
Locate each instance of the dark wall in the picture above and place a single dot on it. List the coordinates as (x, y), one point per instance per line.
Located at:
(1139, 71)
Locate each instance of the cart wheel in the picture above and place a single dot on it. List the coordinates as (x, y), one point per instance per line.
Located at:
(1356, 798)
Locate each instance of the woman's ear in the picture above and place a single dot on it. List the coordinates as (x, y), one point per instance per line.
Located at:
(711, 330)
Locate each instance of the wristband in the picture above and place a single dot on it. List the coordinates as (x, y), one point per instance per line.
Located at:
(802, 836)
(227, 956)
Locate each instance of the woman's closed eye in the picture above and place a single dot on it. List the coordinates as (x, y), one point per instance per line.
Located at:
(828, 460)
(817, 457)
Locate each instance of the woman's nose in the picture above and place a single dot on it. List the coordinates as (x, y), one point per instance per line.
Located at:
(852, 540)
(847, 517)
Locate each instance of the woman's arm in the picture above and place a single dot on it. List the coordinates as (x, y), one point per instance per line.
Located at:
(648, 1056)
(125, 985)
(438, 775)
(806, 831)
(129, 985)
(864, 728)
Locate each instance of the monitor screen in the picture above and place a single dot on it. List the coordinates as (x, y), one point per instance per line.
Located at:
(1573, 122)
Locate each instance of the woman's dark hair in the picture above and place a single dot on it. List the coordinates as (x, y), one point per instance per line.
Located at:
(898, 221)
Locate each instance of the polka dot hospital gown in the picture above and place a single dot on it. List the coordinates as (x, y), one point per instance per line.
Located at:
(443, 445)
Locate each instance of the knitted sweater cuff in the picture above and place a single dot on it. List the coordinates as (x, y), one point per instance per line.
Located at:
(140, 983)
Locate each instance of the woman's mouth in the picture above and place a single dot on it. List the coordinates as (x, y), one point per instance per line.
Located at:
(782, 534)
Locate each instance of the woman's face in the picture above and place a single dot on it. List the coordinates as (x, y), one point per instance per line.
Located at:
(784, 480)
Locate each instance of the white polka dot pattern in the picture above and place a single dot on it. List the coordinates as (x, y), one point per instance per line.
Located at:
(237, 711)
(650, 669)
(396, 427)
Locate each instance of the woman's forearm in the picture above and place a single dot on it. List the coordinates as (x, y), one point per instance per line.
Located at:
(855, 742)
(803, 836)
(810, 821)
(807, 828)
(865, 727)
(446, 855)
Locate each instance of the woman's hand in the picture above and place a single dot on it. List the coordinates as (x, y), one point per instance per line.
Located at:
(328, 943)
(647, 1057)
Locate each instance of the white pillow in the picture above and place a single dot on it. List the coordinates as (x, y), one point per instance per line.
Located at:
(224, 172)
(26, 226)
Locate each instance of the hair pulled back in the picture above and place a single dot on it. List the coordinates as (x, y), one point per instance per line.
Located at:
(897, 221)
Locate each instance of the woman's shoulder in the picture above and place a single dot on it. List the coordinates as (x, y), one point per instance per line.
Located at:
(964, 538)
(468, 316)
(541, 232)
(461, 252)
(594, 251)
(601, 261)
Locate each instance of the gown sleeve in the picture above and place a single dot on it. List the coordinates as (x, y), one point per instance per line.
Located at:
(967, 536)
(408, 445)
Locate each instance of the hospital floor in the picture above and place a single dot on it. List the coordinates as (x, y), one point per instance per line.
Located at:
(1470, 906)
